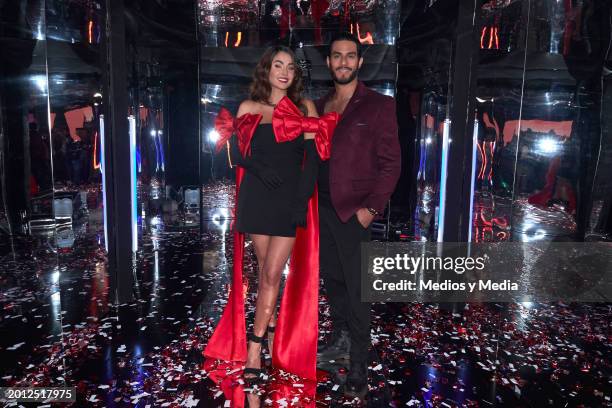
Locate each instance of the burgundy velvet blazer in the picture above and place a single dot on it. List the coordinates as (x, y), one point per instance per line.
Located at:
(365, 155)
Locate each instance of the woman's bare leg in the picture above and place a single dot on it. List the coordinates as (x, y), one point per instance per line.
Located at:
(253, 399)
(260, 244)
(278, 253)
(279, 249)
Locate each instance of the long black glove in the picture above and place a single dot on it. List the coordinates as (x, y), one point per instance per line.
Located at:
(268, 176)
(306, 184)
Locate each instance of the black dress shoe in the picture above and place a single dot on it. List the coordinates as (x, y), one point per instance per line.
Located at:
(357, 380)
(338, 348)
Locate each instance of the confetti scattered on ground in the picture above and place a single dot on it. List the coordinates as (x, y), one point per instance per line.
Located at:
(60, 327)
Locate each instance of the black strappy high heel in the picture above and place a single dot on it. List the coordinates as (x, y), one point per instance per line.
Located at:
(255, 374)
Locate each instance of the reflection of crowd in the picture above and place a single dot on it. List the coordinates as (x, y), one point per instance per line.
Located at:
(39, 159)
(300, 17)
(301, 21)
(72, 157)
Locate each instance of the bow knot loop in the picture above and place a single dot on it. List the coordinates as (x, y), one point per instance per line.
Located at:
(289, 122)
(225, 125)
(244, 126)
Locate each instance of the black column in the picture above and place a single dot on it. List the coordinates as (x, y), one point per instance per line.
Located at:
(465, 61)
(117, 154)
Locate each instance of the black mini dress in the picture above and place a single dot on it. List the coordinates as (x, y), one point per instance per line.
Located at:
(266, 211)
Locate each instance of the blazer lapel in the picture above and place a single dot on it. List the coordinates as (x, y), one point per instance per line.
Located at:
(355, 100)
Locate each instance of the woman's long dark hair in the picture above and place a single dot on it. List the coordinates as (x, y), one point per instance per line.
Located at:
(260, 87)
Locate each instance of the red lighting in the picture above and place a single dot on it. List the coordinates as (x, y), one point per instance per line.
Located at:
(96, 165)
(238, 39)
(493, 32)
(496, 38)
(482, 36)
(492, 150)
(90, 31)
(367, 39)
(483, 161)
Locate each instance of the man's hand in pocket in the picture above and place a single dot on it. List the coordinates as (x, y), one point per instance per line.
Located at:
(364, 217)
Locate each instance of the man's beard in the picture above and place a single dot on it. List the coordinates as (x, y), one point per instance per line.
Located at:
(350, 78)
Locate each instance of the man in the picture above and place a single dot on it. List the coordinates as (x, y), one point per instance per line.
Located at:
(354, 187)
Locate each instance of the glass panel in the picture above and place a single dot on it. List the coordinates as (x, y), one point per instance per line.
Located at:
(425, 84)
(26, 154)
(163, 114)
(600, 221)
(75, 86)
(146, 105)
(26, 174)
(5, 227)
(307, 22)
(75, 21)
(498, 97)
(539, 130)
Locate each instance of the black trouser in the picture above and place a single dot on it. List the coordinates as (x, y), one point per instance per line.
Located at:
(340, 260)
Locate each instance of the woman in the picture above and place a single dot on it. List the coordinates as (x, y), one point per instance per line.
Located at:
(277, 163)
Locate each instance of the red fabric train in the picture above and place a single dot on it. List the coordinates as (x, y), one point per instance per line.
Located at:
(295, 340)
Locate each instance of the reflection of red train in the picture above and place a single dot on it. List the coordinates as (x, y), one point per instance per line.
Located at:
(562, 129)
(486, 230)
(555, 188)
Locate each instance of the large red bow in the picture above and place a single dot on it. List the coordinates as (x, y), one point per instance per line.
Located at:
(226, 125)
(289, 122)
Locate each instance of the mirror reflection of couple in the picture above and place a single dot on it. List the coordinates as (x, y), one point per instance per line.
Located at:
(311, 177)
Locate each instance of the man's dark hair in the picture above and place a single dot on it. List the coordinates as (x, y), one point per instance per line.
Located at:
(344, 36)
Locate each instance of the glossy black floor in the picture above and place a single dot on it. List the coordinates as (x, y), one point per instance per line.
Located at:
(58, 327)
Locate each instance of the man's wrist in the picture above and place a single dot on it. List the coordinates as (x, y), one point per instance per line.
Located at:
(372, 211)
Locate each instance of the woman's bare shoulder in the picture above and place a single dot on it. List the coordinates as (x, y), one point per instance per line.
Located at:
(247, 106)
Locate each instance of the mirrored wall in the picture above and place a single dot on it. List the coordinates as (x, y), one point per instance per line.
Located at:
(539, 147)
(27, 178)
(540, 123)
(307, 22)
(74, 68)
(51, 84)
(54, 119)
(163, 108)
(427, 47)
